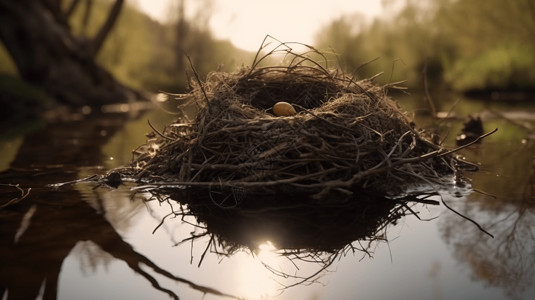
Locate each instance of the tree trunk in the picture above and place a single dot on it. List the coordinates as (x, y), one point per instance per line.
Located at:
(48, 55)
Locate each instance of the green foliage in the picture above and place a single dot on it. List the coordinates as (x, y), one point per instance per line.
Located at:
(478, 44)
(6, 63)
(20, 105)
(146, 54)
(403, 46)
(24, 93)
(502, 67)
(495, 42)
(129, 49)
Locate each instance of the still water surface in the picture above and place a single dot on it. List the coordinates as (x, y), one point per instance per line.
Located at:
(81, 241)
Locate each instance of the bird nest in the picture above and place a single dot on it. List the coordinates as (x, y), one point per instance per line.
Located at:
(341, 136)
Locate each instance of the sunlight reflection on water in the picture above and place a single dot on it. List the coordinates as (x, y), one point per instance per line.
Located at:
(253, 279)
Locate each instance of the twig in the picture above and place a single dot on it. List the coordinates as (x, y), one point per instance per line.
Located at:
(158, 132)
(198, 80)
(479, 138)
(427, 96)
(23, 194)
(466, 218)
(206, 250)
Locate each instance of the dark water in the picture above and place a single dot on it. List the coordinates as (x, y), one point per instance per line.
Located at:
(81, 241)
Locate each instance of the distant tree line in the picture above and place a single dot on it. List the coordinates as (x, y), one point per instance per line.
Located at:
(464, 45)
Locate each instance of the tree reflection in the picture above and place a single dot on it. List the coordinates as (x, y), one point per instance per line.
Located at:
(506, 208)
(41, 226)
(508, 260)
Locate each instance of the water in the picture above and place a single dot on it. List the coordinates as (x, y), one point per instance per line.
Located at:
(80, 241)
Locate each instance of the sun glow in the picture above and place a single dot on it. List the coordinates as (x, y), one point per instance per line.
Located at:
(245, 23)
(254, 279)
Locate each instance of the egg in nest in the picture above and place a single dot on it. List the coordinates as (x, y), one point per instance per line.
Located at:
(283, 109)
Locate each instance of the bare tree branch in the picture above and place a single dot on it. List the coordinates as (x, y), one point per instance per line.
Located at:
(181, 32)
(106, 28)
(87, 15)
(71, 8)
(54, 7)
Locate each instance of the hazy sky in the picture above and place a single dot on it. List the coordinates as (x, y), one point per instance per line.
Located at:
(246, 22)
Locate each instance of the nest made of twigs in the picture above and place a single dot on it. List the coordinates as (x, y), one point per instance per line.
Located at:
(346, 135)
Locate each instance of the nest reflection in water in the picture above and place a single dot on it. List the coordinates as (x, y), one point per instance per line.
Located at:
(301, 228)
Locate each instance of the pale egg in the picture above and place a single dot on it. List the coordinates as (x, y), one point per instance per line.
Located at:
(283, 109)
